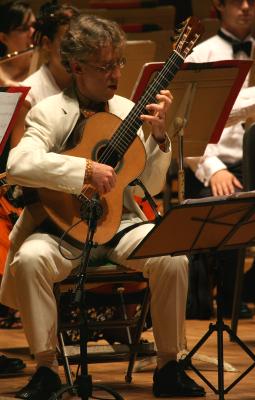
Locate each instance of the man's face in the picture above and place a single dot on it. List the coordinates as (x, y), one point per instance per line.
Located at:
(98, 78)
(237, 16)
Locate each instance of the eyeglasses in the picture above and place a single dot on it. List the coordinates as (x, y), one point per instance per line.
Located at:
(105, 69)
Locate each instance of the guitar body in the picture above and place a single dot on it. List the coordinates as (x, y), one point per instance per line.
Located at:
(64, 209)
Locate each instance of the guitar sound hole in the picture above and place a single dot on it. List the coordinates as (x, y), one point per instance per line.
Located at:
(106, 154)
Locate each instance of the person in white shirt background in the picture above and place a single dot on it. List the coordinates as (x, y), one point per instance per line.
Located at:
(219, 170)
(51, 23)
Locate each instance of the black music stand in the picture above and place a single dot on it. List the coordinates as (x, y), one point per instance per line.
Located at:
(206, 225)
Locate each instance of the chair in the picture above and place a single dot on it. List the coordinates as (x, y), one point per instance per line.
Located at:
(117, 303)
(202, 9)
(249, 184)
(152, 23)
(137, 53)
(162, 38)
(211, 26)
(163, 16)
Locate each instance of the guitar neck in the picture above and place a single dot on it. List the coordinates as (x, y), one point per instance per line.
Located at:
(126, 133)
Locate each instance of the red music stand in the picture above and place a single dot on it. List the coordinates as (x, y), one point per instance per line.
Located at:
(206, 225)
(204, 94)
(9, 108)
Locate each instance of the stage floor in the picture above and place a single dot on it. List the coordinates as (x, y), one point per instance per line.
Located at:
(13, 343)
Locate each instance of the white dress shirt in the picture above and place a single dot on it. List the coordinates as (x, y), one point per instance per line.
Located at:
(42, 85)
(229, 148)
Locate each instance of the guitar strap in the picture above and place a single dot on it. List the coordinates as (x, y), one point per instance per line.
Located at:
(116, 238)
(47, 226)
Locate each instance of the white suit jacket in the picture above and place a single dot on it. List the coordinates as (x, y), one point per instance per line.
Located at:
(37, 162)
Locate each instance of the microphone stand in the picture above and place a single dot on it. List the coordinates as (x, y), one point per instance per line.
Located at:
(91, 211)
(179, 125)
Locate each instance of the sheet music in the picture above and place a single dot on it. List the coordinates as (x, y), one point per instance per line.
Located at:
(8, 103)
(209, 199)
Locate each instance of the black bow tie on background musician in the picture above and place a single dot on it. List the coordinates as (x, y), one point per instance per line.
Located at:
(237, 46)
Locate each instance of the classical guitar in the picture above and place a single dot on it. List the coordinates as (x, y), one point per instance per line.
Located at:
(109, 140)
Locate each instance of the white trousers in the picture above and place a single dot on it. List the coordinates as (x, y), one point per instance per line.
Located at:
(38, 264)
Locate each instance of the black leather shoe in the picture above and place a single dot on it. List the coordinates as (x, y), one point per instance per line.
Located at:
(10, 365)
(43, 384)
(172, 380)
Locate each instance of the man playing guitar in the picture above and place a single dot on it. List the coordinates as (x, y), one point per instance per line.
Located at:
(62, 152)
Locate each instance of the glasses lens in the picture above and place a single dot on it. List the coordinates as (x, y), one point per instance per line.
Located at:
(107, 67)
(111, 66)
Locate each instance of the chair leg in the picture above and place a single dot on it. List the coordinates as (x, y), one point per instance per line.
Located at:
(138, 333)
(120, 291)
(133, 339)
(64, 356)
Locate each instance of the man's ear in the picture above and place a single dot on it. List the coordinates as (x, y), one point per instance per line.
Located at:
(45, 44)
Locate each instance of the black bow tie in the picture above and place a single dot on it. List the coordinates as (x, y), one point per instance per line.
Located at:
(237, 45)
(242, 46)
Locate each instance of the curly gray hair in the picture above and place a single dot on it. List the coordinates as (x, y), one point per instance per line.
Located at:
(87, 35)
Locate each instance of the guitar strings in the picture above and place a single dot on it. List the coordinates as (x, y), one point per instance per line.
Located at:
(3, 182)
(171, 60)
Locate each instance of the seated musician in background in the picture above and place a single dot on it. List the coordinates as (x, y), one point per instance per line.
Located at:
(16, 31)
(92, 50)
(219, 171)
(50, 25)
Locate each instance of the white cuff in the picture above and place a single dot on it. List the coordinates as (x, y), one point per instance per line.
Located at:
(207, 168)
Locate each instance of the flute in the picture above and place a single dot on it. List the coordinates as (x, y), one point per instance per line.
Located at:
(16, 54)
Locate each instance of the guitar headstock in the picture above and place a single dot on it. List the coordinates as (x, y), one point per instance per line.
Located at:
(188, 36)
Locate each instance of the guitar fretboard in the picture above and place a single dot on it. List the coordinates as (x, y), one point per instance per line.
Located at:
(126, 133)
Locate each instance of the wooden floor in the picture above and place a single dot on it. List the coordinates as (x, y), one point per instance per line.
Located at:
(13, 343)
